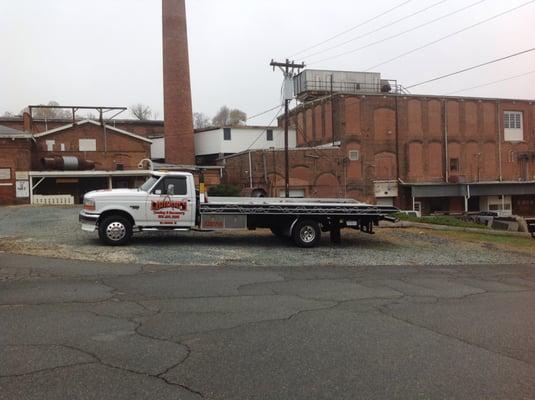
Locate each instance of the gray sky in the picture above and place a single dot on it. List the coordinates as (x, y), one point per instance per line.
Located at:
(108, 52)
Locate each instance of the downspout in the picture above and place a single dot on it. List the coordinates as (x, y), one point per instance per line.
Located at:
(466, 197)
(264, 161)
(446, 152)
(397, 148)
(397, 137)
(250, 172)
(498, 125)
(332, 112)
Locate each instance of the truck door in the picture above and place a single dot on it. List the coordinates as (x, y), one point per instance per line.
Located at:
(170, 203)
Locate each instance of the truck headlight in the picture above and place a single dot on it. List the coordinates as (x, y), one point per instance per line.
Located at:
(89, 205)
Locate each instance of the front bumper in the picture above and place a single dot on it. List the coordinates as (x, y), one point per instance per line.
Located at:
(89, 221)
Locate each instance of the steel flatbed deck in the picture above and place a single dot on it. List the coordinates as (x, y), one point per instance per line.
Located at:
(283, 206)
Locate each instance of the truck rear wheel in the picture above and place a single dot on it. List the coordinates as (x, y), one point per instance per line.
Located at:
(115, 230)
(306, 233)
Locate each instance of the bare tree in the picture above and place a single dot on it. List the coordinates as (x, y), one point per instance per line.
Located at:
(8, 114)
(200, 121)
(237, 117)
(225, 116)
(141, 111)
(221, 117)
(50, 113)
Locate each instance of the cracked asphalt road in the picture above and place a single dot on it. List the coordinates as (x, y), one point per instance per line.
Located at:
(87, 330)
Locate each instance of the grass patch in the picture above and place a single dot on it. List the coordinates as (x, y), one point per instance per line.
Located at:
(502, 241)
(440, 220)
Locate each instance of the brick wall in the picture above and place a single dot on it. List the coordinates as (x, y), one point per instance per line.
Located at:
(15, 155)
(318, 172)
(405, 137)
(111, 149)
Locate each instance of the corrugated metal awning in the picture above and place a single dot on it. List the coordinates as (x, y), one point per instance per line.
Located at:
(472, 189)
(446, 190)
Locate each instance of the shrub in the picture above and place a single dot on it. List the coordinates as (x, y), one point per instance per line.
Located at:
(440, 220)
(224, 190)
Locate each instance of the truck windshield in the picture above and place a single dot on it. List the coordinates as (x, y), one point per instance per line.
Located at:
(149, 183)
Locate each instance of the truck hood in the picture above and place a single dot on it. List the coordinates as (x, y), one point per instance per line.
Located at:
(114, 193)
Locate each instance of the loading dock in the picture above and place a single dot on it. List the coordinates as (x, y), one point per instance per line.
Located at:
(77, 183)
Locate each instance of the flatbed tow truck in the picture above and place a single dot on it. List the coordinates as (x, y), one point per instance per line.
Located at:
(169, 201)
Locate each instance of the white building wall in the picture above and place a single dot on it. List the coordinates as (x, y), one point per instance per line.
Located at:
(242, 139)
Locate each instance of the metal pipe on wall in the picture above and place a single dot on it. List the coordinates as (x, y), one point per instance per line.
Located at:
(250, 172)
(67, 163)
(498, 125)
(446, 151)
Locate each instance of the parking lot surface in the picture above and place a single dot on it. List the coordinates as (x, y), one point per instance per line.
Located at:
(55, 232)
(88, 330)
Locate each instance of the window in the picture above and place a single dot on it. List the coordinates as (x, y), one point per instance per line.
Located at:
(119, 167)
(513, 126)
(148, 184)
(454, 165)
(5, 174)
(50, 145)
(226, 134)
(269, 135)
(87, 145)
(180, 184)
(354, 155)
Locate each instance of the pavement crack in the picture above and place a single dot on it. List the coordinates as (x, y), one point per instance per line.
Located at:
(58, 367)
(446, 335)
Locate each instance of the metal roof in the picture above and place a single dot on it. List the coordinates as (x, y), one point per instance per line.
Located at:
(10, 133)
(89, 121)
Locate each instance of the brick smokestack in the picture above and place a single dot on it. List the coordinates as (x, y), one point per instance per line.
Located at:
(178, 118)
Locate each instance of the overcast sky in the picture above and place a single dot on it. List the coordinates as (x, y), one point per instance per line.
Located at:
(109, 52)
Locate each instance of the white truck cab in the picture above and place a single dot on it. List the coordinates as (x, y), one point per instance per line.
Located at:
(169, 201)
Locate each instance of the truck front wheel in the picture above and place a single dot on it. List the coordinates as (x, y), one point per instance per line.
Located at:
(306, 233)
(115, 230)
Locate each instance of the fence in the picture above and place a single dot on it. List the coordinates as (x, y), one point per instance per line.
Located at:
(53, 200)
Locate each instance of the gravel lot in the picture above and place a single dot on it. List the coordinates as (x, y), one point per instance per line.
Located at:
(55, 232)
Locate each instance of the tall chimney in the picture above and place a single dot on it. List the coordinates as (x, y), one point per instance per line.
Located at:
(178, 118)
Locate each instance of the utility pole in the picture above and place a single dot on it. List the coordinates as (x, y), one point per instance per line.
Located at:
(289, 69)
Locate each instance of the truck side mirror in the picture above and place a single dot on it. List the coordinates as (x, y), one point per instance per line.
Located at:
(171, 189)
(158, 192)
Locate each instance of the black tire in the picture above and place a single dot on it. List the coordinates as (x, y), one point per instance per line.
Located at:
(115, 230)
(278, 231)
(306, 233)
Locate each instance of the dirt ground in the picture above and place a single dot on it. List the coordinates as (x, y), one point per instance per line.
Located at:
(55, 232)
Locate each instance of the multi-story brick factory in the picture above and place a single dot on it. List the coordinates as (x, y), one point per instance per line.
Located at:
(357, 136)
(377, 144)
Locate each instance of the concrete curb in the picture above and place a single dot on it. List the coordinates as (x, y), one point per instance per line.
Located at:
(407, 224)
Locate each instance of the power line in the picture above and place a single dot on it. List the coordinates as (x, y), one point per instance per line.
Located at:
(352, 28)
(451, 34)
(400, 33)
(471, 68)
(265, 130)
(376, 30)
(492, 83)
(263, 112)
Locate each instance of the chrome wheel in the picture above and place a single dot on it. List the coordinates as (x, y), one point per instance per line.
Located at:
(116, 231)
(307, 234)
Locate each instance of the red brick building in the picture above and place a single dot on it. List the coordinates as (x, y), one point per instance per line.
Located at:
(15, 161)
(108, 147)
(88, 155)
(437, 154)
